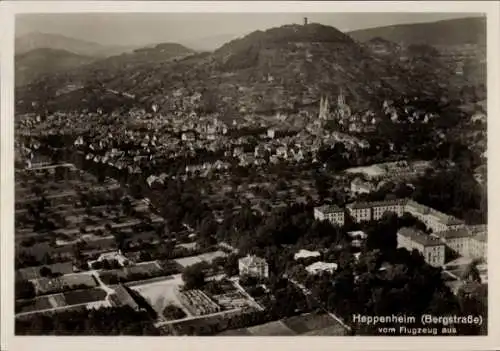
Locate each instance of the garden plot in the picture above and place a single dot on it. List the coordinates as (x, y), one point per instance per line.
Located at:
(162, 293)
(66, 282)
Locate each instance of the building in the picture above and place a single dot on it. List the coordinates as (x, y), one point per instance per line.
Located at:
(360, 211)
(478, 246)
(389, 206)
(432, 248)
(359, 186)
(358, 234)
(320, 267)
(333, 214)
(253, 266)
(433, 219)
(457, 240)
(306, 254)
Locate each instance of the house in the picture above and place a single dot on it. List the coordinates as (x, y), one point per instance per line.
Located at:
(333, 214)
(253, 266)
(358, 186)
(432, 248)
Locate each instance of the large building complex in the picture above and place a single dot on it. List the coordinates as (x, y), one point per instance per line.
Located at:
(429, 246)
(433, 219)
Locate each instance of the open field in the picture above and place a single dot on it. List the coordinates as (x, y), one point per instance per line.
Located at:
(277, 328)
(162, 293)
(37, 304)
(307, 324)
(84, 296)
(34, 272)
(70, 281)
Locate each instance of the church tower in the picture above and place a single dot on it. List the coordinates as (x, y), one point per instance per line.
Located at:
(341, 99)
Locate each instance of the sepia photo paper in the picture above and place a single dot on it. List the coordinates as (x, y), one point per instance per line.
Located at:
(282, 175)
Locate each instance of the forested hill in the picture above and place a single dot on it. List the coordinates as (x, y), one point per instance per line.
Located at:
(461, 31)
(267, 71)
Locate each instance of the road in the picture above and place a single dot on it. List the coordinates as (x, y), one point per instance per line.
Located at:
(243, 291)
(307, 292)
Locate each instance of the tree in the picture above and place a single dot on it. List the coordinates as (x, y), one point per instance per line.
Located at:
(45, 272)
(194, 276)
(24, 289)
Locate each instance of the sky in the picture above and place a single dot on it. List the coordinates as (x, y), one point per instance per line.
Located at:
(147, 28)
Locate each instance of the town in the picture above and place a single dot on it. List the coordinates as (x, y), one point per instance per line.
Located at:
(179, 215)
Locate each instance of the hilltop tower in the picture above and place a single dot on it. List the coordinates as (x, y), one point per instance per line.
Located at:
(305, 21)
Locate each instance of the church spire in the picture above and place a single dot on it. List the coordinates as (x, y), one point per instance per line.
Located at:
(341, 100)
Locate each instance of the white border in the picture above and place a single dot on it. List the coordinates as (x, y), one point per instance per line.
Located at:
(11, 342)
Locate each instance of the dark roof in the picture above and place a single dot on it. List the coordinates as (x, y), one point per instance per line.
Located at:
(329, 209)
(453, 234)
(395, 202)
(420, 237)
(124, 297)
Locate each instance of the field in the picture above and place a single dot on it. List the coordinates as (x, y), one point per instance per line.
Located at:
(277, 328)
(66, 282)
(34, 272)
(161, 293)
(84, 296)
(307, 324)
(38, 304)
(208, 257)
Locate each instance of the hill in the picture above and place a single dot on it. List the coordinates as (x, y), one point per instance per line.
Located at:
(460, 43)
(32, 41)
(280, 69)
(36, 63)
(448, 32)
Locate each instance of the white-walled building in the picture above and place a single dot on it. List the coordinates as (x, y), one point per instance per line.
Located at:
(253, 266)
(333, 214)
(429, 246)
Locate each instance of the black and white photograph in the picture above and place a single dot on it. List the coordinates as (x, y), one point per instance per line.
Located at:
(302, 173)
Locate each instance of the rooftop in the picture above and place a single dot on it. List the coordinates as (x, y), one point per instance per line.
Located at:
(252, 260)
(396, 202)
(419, 237)
(329, 209)
(482, 237)
(306, 253)
(454, 234)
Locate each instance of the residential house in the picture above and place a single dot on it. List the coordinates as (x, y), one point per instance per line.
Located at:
(253, 266)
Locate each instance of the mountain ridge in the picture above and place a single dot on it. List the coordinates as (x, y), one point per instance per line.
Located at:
(445, 32)
(38, 40)
(277, 69)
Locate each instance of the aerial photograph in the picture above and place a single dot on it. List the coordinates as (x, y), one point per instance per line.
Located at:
(250, 174)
